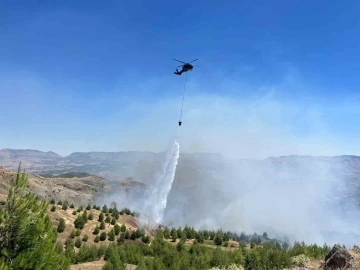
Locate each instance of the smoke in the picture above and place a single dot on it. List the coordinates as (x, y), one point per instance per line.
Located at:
(150, 201)
(298, 198)
(295, 198)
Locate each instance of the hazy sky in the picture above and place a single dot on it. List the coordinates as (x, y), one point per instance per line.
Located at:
(276, 77)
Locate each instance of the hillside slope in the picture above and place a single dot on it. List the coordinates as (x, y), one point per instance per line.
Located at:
(74, 190)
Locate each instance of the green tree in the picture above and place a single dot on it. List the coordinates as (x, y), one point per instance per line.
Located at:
(90, 216)
(111, 235)
(117, 229)
(85, 216)
(61, 226)
(53, 208)
(107, 219)
(85, 238)
(166, 233)
(79, 222)
(174, 236)
(102, 225)
(96, 230)
(28, 237)
(113, 221)
(103, 236)
(78, 242)
(123, 228)
(218, 240)
(101, 217)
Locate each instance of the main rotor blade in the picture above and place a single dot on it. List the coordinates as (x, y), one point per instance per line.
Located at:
(193, 61)
(181, 66)
(197, 66)
(179, 61)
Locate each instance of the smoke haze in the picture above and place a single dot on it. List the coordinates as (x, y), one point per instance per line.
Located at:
(300, 199)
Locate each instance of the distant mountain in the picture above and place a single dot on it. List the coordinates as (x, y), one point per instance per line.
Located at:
(111, 165)
(209, 189)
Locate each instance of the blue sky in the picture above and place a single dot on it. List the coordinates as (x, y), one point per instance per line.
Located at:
(276, 77)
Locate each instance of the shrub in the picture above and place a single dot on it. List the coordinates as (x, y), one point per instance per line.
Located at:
(96, 230)
(103, 236)
(78, 243)
(85, 238)
(61, 226)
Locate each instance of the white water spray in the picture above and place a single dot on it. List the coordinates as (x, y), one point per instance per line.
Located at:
(161, 186)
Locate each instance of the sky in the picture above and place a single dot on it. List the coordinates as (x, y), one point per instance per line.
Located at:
(275, 77)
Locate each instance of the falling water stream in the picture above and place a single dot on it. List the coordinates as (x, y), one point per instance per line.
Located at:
(162, 183)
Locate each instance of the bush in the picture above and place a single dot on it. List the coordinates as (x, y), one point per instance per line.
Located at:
(88, 207)
(64, 207)
(300, 261)
(78, 243)
(85, 238)
(145, 239)
(61, 226)
(103, 236)
(79, 222)
(78, 232)
(117, 229)
(113, 221)
(96, 230)
(102, 225)
(72, 205)
(111, 235)
(53, 208)
(107, 220)
(97, 239)
(90, 216)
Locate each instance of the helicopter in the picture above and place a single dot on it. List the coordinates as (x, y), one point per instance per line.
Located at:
(185, 67)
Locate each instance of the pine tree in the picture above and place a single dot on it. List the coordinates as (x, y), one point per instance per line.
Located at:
(174, 236)
(102, 225)
(28, 238)
(117, 229)
(96, 230)
(61, 226)
(111, 235)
